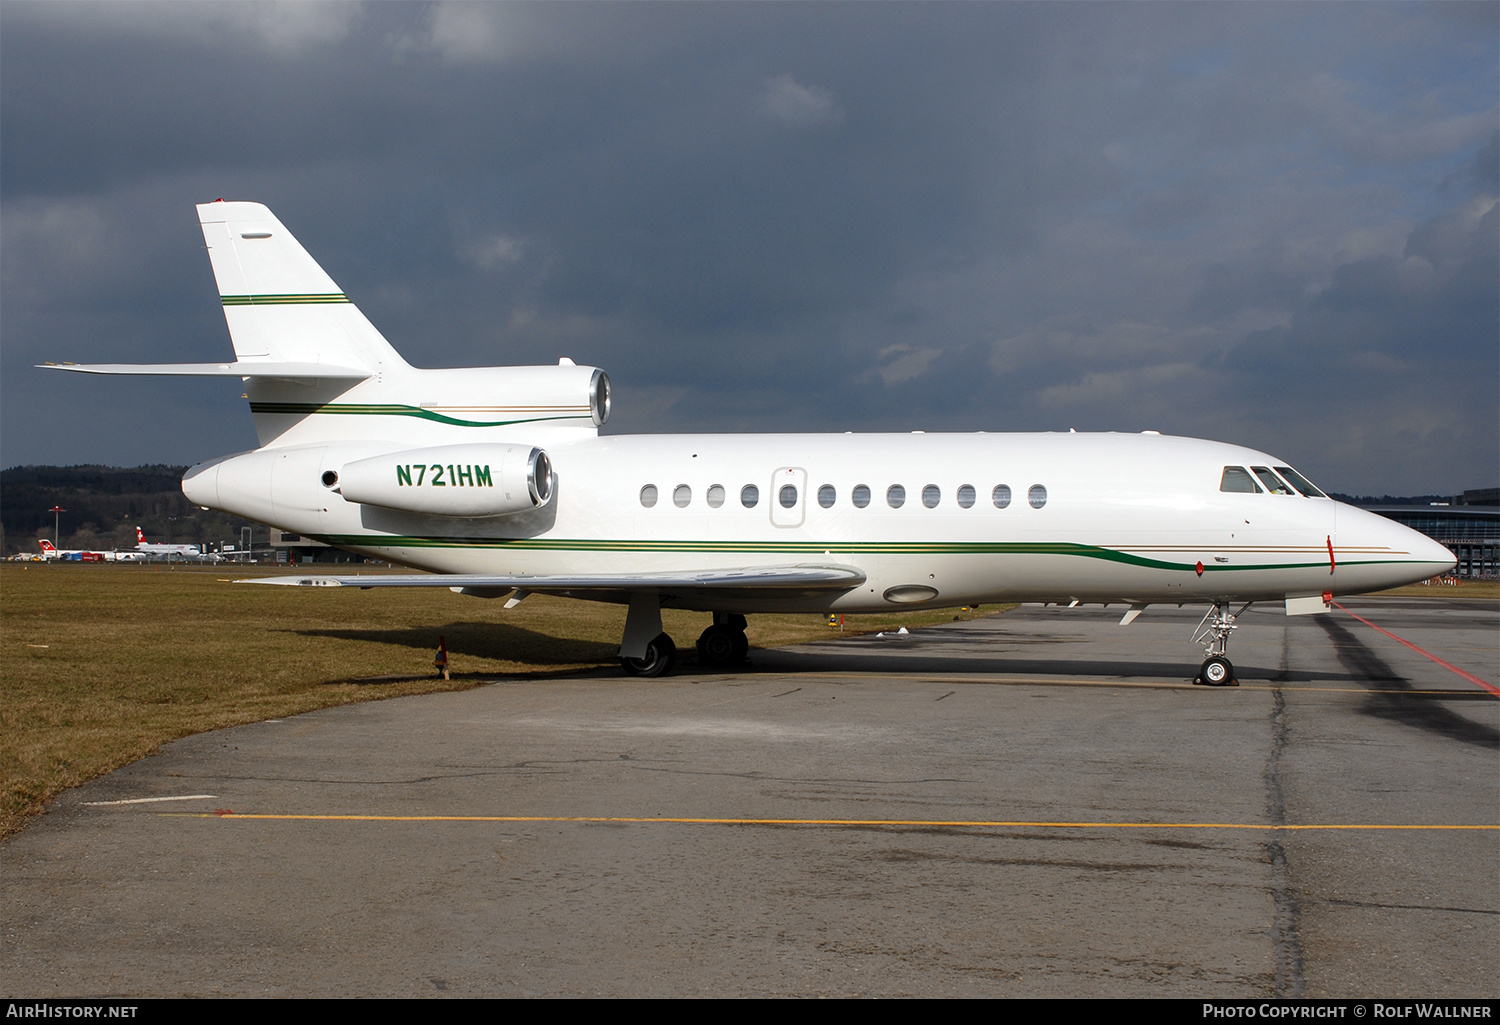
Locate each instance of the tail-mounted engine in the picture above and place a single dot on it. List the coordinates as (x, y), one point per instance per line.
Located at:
(449, 480)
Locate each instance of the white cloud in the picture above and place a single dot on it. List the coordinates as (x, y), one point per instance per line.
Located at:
(902, 363)
(465, 32)
(1135, 388)
(496, 252)
(462, 32)
(59, 240)
(284, 26)
(786, 100)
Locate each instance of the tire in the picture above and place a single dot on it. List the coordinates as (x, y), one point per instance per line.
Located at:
(661, 655)
(717, 646)
(1217, 671)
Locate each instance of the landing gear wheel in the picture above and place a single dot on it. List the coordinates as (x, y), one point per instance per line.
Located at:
(661, 655)
(1217, 671)
(741, 646)
(719, 645)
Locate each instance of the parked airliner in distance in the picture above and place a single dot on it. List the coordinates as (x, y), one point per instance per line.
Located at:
(163, 550)
(52, 553)
(497, 480)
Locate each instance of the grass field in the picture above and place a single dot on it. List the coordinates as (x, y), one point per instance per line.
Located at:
(103, 664)
(1458, 589)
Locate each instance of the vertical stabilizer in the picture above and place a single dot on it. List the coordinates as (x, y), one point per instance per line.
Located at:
(279, 304)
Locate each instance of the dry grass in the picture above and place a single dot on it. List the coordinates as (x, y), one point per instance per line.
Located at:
(1457, 589)
(103, 664)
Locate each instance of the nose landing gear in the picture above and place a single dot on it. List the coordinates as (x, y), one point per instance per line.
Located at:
(1213, 633)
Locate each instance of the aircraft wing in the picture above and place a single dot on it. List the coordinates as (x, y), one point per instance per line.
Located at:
(768, 581)
(267, 368)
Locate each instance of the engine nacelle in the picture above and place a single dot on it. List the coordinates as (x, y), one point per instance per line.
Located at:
(449, 480)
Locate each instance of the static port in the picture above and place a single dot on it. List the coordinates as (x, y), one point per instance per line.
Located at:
(330, 478)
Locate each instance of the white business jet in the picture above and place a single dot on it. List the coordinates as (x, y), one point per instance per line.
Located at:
(496, 478)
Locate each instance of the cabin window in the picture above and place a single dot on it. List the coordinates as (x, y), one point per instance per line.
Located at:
(682, 496)
(827, 496)
(1300, 482)
(749, 495)
(1001, 496)
(715, 496)
(931, 496)
(860, 496)
(895, 496)
(1274, 484)
(1037, 496)
(966, 496)
(788, 496)
(1237, 481)
(648, 495)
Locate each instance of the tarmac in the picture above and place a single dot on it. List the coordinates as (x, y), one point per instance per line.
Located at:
(1034, 804)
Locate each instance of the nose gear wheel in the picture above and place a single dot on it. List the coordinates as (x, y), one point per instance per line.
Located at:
(1213, 633)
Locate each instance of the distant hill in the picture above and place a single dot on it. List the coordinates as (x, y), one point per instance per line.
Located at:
(104, 504)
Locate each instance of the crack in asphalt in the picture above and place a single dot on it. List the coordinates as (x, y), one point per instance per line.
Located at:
(1404, 907)
(1285, 931)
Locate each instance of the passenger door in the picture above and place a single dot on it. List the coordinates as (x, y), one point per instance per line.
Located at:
(788, 496)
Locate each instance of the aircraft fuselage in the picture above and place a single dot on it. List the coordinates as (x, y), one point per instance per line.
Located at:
(942, 519)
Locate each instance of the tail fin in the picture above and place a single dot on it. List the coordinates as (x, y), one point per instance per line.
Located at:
(280, 305)
(46, 545)
(140, 536)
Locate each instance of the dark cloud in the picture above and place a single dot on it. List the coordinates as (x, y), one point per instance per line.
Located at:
(783, 217)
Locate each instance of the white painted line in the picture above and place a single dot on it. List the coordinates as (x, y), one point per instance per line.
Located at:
(153, 800)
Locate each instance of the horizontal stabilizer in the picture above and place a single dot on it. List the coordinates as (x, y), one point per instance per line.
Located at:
(266, 368)
(772, 579)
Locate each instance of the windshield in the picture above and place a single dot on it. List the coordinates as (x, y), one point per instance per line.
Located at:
(1300, 482)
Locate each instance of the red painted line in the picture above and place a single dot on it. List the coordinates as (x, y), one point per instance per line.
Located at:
(1446, 665)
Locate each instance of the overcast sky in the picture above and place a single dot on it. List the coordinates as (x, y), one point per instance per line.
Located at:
(1272, 224)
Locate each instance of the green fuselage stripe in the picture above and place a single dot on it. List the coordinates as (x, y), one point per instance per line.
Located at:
(806, 548)
(283, 299)
(357, 409)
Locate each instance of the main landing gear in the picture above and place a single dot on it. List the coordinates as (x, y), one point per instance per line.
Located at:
(660, 657)
(724, 643)
(646, 650)
(1213, 633)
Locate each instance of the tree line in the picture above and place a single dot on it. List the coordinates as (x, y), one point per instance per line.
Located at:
(104, 504)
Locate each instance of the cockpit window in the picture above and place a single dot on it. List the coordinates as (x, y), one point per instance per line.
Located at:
(1237, 481)
(1274, 484)
(1300, 482)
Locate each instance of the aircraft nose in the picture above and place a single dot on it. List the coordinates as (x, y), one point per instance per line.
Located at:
(1377, 553)
(200, 484)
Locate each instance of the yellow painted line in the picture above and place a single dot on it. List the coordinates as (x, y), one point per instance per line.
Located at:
(980, 823)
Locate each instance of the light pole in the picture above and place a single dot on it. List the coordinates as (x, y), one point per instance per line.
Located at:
(56, 512)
